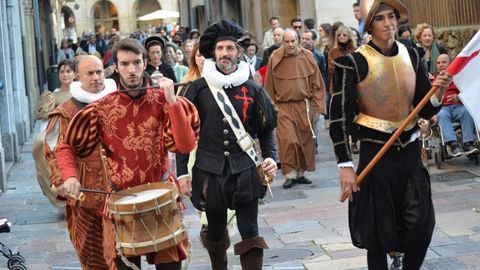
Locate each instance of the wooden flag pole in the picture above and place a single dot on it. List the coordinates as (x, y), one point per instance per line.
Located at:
(392, 139)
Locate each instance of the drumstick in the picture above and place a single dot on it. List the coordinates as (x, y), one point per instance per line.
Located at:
(81, 197)
(106, 192)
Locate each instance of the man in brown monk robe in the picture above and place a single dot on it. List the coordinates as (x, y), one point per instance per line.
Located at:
(295, 84)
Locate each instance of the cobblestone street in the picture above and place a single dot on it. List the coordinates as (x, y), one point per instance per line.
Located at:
(306, 227)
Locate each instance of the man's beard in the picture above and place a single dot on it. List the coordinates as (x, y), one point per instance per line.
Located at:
(231, 66)
(307, 46)
(131, 85)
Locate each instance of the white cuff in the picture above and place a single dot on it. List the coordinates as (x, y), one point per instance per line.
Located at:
(435, 102)
(182, 176)
(348, 164)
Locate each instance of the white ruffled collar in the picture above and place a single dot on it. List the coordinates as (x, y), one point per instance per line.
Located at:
(251, 60)
(83, 96)
(217, 79)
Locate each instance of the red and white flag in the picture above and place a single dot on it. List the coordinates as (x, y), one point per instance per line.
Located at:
(465, 70)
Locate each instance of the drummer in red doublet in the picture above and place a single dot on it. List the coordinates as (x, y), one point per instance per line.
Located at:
(136, 127)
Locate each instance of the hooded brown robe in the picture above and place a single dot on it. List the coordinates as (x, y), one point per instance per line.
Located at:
(296, 86)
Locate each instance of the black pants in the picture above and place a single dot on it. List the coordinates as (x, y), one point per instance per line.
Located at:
(246, 222)
(235, 191)
(136, 260)
(393, 209)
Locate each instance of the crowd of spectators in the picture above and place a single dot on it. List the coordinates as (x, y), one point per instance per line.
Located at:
(330, 39)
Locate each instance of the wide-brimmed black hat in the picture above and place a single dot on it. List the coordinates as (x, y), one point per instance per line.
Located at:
(154, 40)
(222, 30)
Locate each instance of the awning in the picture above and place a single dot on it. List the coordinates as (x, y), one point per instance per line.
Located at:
(160, 14)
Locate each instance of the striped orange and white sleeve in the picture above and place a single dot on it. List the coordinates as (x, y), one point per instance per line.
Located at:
(80, 140)
(53, 138)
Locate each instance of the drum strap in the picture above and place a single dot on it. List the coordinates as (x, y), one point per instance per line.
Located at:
(124, 259)
(244, 140)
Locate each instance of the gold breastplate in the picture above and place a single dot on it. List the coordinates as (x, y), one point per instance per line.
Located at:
(385, 96)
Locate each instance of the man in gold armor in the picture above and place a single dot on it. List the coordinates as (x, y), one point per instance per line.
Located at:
(377, 87)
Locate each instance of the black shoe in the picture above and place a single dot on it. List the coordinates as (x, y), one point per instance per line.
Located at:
(288, 183)
(5, 225)
(303, 180)
(469, 148)
(455, 149)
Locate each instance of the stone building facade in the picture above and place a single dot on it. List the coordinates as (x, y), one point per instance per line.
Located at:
(254, 14)
(82, 17)
(23, 57)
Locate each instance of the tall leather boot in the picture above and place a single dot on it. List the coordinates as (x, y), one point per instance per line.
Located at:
(216, 250)
(251, 253)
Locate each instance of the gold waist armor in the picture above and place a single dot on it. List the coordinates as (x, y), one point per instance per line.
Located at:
(385, 96)
(380, 124)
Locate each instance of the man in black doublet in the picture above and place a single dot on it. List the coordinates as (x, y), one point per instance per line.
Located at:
(225, 176)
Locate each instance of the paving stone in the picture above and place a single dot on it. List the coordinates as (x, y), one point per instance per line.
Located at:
(306, 244)
(431, 254)
(460, 225)
(476, 236)
(306, 217)
(274, 256)
(460, 249)
(338, 225)
(471, 261)
(440, 190)
(331, 239)
(306, 235)
(337, 246)
(443, 264)
(452, 176)
(348, 263)
(346, 253)
(284, 266)
(327, 195)
(284, 196)
(297, 226)
(461, 182)
(439, 238)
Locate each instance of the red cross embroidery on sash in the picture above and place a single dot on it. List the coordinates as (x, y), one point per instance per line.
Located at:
(245, 102)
